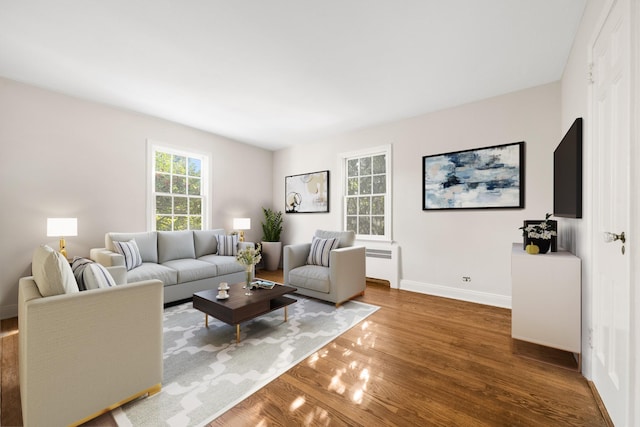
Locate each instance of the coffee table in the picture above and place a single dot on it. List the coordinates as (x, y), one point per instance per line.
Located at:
(239, 307)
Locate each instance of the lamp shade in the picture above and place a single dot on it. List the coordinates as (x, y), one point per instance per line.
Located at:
(62, 227)
(242, 223)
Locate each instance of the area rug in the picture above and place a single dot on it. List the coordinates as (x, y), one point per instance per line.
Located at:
(206, 372)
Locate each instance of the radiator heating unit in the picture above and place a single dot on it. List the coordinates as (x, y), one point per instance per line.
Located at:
(383, 262)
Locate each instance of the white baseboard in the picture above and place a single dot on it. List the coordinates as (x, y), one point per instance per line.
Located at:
(8, 311)
(457, 293)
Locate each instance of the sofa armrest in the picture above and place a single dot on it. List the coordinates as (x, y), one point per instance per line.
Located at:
(113, 262)
(106, 257)
(348, 271)
(294, 256)
(119, 274)
(110, 338)
(243, 245)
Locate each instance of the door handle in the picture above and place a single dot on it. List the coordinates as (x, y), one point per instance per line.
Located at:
(612, 237)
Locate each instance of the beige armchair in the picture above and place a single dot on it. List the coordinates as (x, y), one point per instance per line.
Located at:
(342, 276)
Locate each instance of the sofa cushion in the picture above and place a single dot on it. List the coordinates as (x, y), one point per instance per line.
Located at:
(312, 277)
(90, 274)
(224, 264)
(147, 243)
(205, 241)
(320, 252)
(345, 238)
(192, 269)
(227, 245)
(52, 272)
(175, 245)
(131, 253)
(150, 270)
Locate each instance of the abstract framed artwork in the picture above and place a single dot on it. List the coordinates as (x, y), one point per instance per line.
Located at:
(481, 178)
(307, 193)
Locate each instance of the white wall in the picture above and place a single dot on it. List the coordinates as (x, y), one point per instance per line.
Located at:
(62, 156)
(439, 247)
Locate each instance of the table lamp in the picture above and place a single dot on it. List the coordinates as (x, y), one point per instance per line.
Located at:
(62, 227)
(241, 224)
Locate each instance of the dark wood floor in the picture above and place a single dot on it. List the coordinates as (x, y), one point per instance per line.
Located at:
(419, 360)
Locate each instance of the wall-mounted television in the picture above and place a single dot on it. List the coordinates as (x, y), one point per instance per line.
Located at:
(567, 174)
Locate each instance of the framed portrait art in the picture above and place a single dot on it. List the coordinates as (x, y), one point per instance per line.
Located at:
(481, 178)
(307, 193)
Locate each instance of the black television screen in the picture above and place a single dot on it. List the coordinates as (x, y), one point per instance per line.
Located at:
(567, 174)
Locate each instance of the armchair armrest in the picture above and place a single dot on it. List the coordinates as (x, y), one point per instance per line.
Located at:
(294, 256)
(348, 271)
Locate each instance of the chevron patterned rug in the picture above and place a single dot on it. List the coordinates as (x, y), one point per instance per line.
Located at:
(206, 372)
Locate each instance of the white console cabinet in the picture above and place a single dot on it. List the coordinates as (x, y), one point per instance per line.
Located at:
(546, 298)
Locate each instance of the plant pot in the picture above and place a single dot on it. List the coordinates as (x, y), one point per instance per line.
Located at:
(271, 253)
(542, 244)
(554, 240)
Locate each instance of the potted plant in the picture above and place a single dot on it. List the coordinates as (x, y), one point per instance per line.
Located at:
(271, 245)
(538, 236)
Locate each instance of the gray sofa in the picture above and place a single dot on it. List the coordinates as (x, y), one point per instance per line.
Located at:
(185, 261)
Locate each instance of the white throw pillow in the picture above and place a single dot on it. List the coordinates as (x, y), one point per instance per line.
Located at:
(227, 245)
(320, 252)
(52, 272)
(131, 253)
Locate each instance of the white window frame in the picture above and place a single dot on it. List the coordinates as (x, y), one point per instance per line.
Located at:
(155, 146)
(344, 157)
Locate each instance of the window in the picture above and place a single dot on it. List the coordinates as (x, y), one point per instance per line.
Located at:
(178, 190)
(367, 189)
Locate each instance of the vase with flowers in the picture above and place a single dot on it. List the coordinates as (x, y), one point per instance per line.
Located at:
(538, 236)
(248, 257)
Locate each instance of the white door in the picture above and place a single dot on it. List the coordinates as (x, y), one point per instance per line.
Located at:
(610, 133)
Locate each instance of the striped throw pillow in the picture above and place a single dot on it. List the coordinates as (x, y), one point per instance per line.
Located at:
(321, 250)
(227, 245)
(91, 275)
(79, 265)
(97, 276)
(131, 253)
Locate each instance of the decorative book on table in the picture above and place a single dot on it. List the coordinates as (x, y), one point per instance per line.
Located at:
(266, 284)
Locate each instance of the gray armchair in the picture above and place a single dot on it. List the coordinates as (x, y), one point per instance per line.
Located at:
(342, 276)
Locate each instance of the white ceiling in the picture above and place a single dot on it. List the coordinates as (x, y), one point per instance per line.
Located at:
(275, 73)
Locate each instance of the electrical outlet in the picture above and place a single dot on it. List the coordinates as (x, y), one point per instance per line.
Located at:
(590, 337)
(466, 278)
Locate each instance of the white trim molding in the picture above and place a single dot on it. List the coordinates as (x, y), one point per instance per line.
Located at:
(485, 298)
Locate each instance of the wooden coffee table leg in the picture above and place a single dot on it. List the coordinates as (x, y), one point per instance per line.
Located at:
(285, 313)
(206, 320)
(238, 333)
